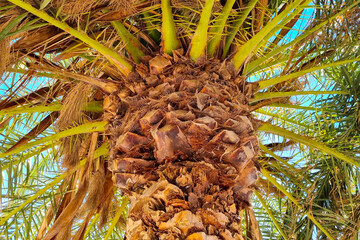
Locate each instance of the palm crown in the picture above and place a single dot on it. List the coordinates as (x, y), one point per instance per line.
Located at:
(158, 103)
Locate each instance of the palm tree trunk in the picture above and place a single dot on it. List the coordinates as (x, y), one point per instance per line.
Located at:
(183, 149)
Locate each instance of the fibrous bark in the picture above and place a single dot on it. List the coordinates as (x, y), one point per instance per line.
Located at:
(183, 149)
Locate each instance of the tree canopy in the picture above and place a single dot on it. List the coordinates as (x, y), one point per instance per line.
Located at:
(301, 58)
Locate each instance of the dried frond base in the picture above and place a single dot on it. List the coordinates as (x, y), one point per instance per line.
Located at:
(73, 104)
(5, 52)
(183, 149)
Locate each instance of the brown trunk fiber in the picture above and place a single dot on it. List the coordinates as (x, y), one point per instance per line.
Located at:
(183, 149)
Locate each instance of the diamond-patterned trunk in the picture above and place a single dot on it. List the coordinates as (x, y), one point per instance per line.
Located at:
(183, 149)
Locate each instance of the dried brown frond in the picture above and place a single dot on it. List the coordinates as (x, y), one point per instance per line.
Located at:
(66, 198)
(50, 213)
(37, 37)
(81, 232)
(5, 54)
(73, 7)
(259, 13)
(6, 42)
(267, 188)
(104, 213)
(69, 213)
(121, 9)
(46, 222)
(73, 104)
(195, 4)
(65, 233)
(70, 150)
(253, 231)
(96, 189)
(129, 5)
(106, 200)
(121, 224)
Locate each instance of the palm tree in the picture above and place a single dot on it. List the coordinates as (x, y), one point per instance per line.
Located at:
(160, 106)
